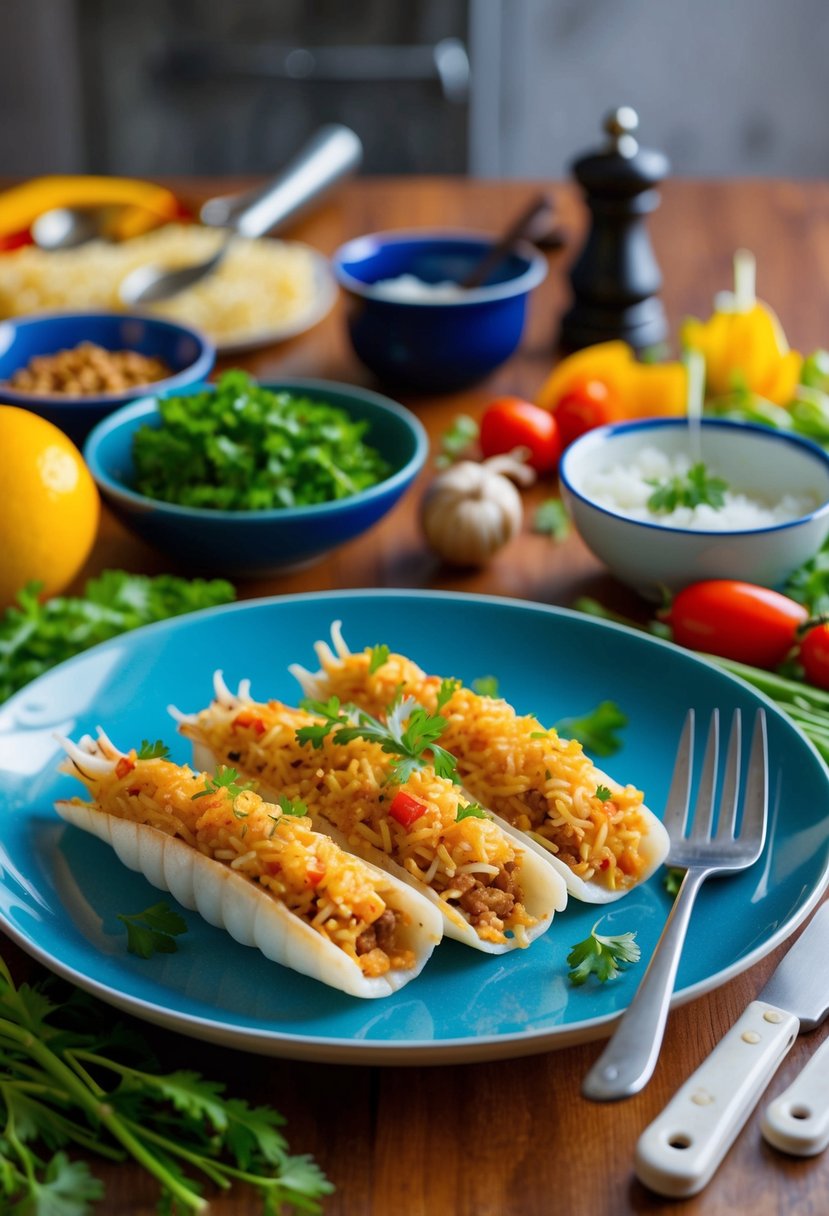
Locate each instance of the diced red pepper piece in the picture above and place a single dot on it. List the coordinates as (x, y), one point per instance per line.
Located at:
(315, 875)
(247, 718)
(406, 809)
(125, 765)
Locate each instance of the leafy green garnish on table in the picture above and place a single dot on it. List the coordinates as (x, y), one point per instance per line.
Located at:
(551, 519)
(154, 930)
(597, 731)
(455, 440)
(245, 448)
(71, 1076)
(601, 956)
(410, 734)
(35, 637)
(809, 584)
(486, 686)
(695, 488)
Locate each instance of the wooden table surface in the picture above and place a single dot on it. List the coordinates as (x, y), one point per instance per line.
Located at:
(514, 1137)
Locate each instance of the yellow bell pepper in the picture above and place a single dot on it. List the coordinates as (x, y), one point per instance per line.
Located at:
(642, 390)
(743, 343)
(144, 204)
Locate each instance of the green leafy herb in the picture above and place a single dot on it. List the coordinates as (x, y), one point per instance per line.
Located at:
(447, 690)
(224, 779)
(603, 957)
(35, 636)
(456, 439)
(696, 488)
(71, 1077)
(408, 734)
(598, 731)
(292, 807)
(241, 447)
(473, 810)
(378, 655)
(551, 519)
(603, 793)
(153, 751)
(153, 931)
(672, 879)
(486, 686)
(809, 584)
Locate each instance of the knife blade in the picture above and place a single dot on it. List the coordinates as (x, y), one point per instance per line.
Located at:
(679, 1152)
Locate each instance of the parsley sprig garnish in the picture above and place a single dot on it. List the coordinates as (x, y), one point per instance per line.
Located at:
(224, 779)
(154, 930)
(472, 810)
(293, 807)
(65, 1083)
(597, 731)
(408, 734)
(377, 656)
(153, 751)
(601, 956)
(486, 686)
(693, 489)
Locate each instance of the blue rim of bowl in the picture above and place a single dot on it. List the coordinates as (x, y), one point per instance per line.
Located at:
(198, 369)
(535, 273)
(605, 432)
(148, 406)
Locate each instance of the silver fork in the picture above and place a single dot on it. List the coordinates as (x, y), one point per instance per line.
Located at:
(628, 1060)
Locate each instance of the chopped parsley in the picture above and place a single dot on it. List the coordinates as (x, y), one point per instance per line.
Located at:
(378, 655)
(292, 807)
(598, 731)
(241, 447)
(672, 879)
(603, 793)
(603, 957)
(408, 734)
(486, 686)
(456, 439)
(693, 489)
(551, 519)
(153, 751)
(153, 931)
(224, 779)
(447, 690)
(473, 810)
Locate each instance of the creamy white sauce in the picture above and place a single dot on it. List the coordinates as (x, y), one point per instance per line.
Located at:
(626, 488)
(409, 289)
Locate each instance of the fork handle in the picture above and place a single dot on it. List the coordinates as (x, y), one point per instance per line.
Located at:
(627, 1062)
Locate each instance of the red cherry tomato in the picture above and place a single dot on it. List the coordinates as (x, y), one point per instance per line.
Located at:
(586, 404)
(510, 423)
(739, 621)
(814, 655)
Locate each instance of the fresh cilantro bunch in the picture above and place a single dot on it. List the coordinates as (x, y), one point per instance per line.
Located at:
(603, 957)
(695, 488)
(408, 733)
(244, 448)
(35, 636)
(72, 1077)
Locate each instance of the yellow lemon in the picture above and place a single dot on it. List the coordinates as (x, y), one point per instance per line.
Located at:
(49, 505)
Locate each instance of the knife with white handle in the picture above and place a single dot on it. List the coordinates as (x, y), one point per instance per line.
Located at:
(680, 1151)
(798, 1120)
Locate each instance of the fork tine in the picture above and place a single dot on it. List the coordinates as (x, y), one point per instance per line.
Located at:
(704, 808)
(679, 795)
(755, 805)
(730, 797)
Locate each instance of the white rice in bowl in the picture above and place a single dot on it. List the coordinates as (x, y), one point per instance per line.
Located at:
(626, 488)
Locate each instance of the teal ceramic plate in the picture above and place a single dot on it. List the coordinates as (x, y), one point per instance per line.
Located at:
(60, 890)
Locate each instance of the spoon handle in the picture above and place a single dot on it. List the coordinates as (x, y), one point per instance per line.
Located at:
(332, 153)
(518, 229)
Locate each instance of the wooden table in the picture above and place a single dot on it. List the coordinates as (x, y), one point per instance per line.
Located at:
(511, 1138)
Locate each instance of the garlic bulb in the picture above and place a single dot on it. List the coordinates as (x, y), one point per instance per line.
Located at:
(472, 510)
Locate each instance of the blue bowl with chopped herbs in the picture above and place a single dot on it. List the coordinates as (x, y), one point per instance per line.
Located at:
(245, 479)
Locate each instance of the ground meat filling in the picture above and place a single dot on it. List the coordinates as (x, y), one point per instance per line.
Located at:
(380, 935)
(537, 807)
(487, 899)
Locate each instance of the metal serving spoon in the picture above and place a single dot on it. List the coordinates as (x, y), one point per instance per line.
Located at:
(332, 153)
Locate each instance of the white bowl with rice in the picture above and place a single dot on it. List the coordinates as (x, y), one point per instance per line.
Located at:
(631, 489)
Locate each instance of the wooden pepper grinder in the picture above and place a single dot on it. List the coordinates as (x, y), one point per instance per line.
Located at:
(616, 278)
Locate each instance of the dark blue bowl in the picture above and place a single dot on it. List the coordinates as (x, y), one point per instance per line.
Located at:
(186, 351)
(434, 345)
(256, 544)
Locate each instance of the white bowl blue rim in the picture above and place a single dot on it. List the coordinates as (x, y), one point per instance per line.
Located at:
(147, 407)
(199, 368)
(644, 424)
(535, 273)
